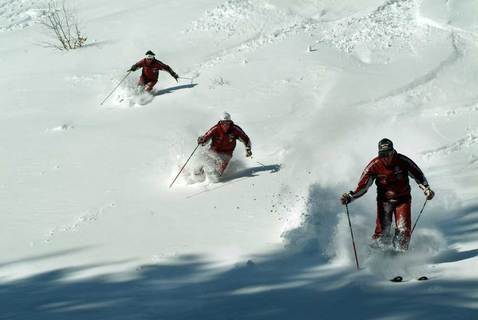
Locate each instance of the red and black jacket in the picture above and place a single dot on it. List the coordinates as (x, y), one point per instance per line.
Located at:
(392, 179)
(151, 68)
(225, 142)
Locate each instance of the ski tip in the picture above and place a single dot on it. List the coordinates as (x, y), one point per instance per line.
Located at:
(397, 279)
(422, 278)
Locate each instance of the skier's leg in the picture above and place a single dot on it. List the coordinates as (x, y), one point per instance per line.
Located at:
(140, 86)
(403, 225)
(211, 161)
(149, 85)
(383, 222)
(223, 161)
(142, 81)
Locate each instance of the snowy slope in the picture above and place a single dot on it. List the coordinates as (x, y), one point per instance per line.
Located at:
(91, 230)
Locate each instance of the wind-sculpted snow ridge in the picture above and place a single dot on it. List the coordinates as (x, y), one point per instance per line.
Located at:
(471, 139)
(394, 23)
(19, 14)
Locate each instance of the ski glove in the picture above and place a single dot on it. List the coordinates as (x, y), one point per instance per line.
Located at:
(201, 140)
(175, 76)
(429, 193)
(347, 198)
(133, 68)
(248, 152)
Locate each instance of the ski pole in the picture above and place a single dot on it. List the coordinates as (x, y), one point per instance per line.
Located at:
(184, 166)
(115, 88)
(261, 163)
(257, 162)
(185, 78)
(418, 217)
(352, 234)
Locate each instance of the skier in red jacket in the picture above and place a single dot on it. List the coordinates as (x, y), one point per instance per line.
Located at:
(151, 68)
(223, 138)
(391, 170)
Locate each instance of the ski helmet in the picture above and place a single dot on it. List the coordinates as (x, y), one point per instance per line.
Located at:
(149, 54)
(226, 116)
(385, 146)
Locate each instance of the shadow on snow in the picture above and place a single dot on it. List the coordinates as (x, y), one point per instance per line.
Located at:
(250, 172)
(172, 89)
(282, 285)
(277, 286)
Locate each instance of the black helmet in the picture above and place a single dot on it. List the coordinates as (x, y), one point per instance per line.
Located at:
(149, 53)
(385, 146)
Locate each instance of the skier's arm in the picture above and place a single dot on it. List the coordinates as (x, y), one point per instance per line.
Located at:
(366, 180)
(165, 67)
(207, 136)
(417, 174)
(242, 136)
(137, 65)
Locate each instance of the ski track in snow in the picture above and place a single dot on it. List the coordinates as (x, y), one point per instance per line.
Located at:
(88, 217)
(453, 109)
(19, 14)
(394, 20)
(421, 81)
(470, 140)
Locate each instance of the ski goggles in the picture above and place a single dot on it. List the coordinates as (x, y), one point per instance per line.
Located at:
(149, 56)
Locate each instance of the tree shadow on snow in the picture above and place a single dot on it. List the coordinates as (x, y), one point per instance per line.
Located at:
(172, 89)
(461, 225)
(297, 282)
(276, 286)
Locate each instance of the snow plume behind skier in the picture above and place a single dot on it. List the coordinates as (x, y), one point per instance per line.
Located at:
(222, 138)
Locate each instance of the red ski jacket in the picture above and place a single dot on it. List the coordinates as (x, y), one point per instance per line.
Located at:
(225, 142)
(392, 179)
(151, 68)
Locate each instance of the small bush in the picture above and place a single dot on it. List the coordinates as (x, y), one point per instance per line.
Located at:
(62, 22)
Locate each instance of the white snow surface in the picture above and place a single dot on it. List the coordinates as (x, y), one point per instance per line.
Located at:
(91, 229)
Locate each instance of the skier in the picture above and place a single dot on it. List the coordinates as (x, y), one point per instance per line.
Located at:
(223, 138)
(390, 170)
(151, 67)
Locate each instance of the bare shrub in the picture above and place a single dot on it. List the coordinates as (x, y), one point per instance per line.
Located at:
(63, 23)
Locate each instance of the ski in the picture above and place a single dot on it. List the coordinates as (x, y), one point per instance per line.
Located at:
(400, 279)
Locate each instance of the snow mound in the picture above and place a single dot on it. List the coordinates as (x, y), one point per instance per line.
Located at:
(392, 24)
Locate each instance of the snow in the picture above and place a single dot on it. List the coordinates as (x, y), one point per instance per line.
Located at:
(91, 229)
